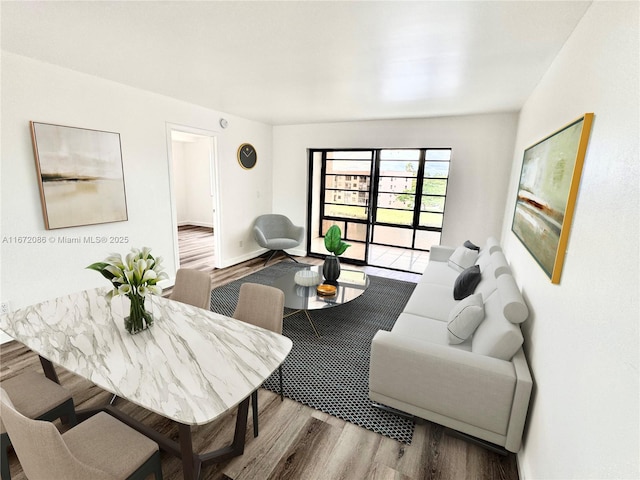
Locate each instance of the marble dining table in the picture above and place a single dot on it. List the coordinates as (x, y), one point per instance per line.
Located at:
(191, 366)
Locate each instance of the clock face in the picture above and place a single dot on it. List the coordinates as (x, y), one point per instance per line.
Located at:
(247, 156)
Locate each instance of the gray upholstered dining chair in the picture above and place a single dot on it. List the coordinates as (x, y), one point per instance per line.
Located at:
(35, 396)
(276, 232)
(263, 306)
(192, 287)
(100, 448)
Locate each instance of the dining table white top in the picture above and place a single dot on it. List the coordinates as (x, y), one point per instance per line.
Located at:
(192, 365)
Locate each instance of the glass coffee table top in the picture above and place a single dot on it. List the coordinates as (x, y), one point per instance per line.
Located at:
(349, 286)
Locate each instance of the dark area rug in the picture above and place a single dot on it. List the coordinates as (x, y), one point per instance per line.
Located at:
(331, 373)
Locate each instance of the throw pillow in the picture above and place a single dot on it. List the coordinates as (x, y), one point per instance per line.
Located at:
(462, 258)
(471, 246)
(465, 318)
(466, 282)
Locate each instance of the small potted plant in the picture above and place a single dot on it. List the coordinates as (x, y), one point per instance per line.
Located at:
(334, 245)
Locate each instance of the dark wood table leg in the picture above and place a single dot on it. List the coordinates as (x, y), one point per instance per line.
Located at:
(51, 374)
(236, 447)
(49, 370)
(241, 428)
(190, 462)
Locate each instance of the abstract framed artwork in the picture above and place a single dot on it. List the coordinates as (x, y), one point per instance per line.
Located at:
(547, 193)
(80, 175)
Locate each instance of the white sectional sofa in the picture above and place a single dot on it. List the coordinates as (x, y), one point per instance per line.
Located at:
(479, 386)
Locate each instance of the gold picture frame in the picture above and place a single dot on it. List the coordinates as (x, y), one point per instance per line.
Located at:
(80, 175)
(547, 192)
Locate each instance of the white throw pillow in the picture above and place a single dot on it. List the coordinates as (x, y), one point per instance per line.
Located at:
(463, 258)
(465, 318)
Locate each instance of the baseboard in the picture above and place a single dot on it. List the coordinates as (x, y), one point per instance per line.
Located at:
(240, 258)
(195, 224)
(521, 475)
(297, 252)
(256, 253)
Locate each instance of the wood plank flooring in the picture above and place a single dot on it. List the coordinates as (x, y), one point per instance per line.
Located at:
(196, 247)
(295, 442)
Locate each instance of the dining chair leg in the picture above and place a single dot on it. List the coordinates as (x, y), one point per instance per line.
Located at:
(254, 407)
(151, 466)
(4, 456)
(66, 412)
(281, 392)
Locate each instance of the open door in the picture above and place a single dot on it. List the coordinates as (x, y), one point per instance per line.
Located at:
(194, 195)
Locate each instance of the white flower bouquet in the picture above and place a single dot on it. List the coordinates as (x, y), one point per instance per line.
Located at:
(136, 277)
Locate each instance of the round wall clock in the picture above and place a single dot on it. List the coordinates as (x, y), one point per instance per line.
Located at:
(247, 156)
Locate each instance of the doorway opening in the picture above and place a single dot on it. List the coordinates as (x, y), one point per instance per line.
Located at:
(194, 194)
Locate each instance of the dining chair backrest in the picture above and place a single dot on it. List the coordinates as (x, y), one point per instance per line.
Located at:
(40, 448)
(192, 287)
(260, 305)
(34, 396)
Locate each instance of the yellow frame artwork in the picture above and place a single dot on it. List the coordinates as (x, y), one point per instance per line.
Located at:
(547, 193)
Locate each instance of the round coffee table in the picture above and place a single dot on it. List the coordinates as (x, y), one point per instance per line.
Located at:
(350, 285)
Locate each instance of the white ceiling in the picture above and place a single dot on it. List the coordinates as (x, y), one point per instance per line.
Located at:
(305, 61)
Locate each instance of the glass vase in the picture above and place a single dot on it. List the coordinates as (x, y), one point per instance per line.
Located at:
(139, 318)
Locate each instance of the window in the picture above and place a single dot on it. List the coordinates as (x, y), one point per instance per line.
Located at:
(392, 197)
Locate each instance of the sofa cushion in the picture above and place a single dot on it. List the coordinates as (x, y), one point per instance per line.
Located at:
(487, 284)
(426, 330)
(462, 258)
(484, 257)
(465, 318)
(431, 300)
(496, 336)
(466, 282)
(483, 260)
(440, 273)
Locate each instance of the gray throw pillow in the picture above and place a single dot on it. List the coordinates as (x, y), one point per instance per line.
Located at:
(466, 282)
(465, 318)
(471, 246)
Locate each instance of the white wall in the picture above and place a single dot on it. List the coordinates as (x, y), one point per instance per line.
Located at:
(582, 337)
(33, 90)
(479, 175)
(192, 182)
(179, 182)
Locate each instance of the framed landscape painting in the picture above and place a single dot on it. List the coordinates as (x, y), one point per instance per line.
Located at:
(547, 193)
(80, 175)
